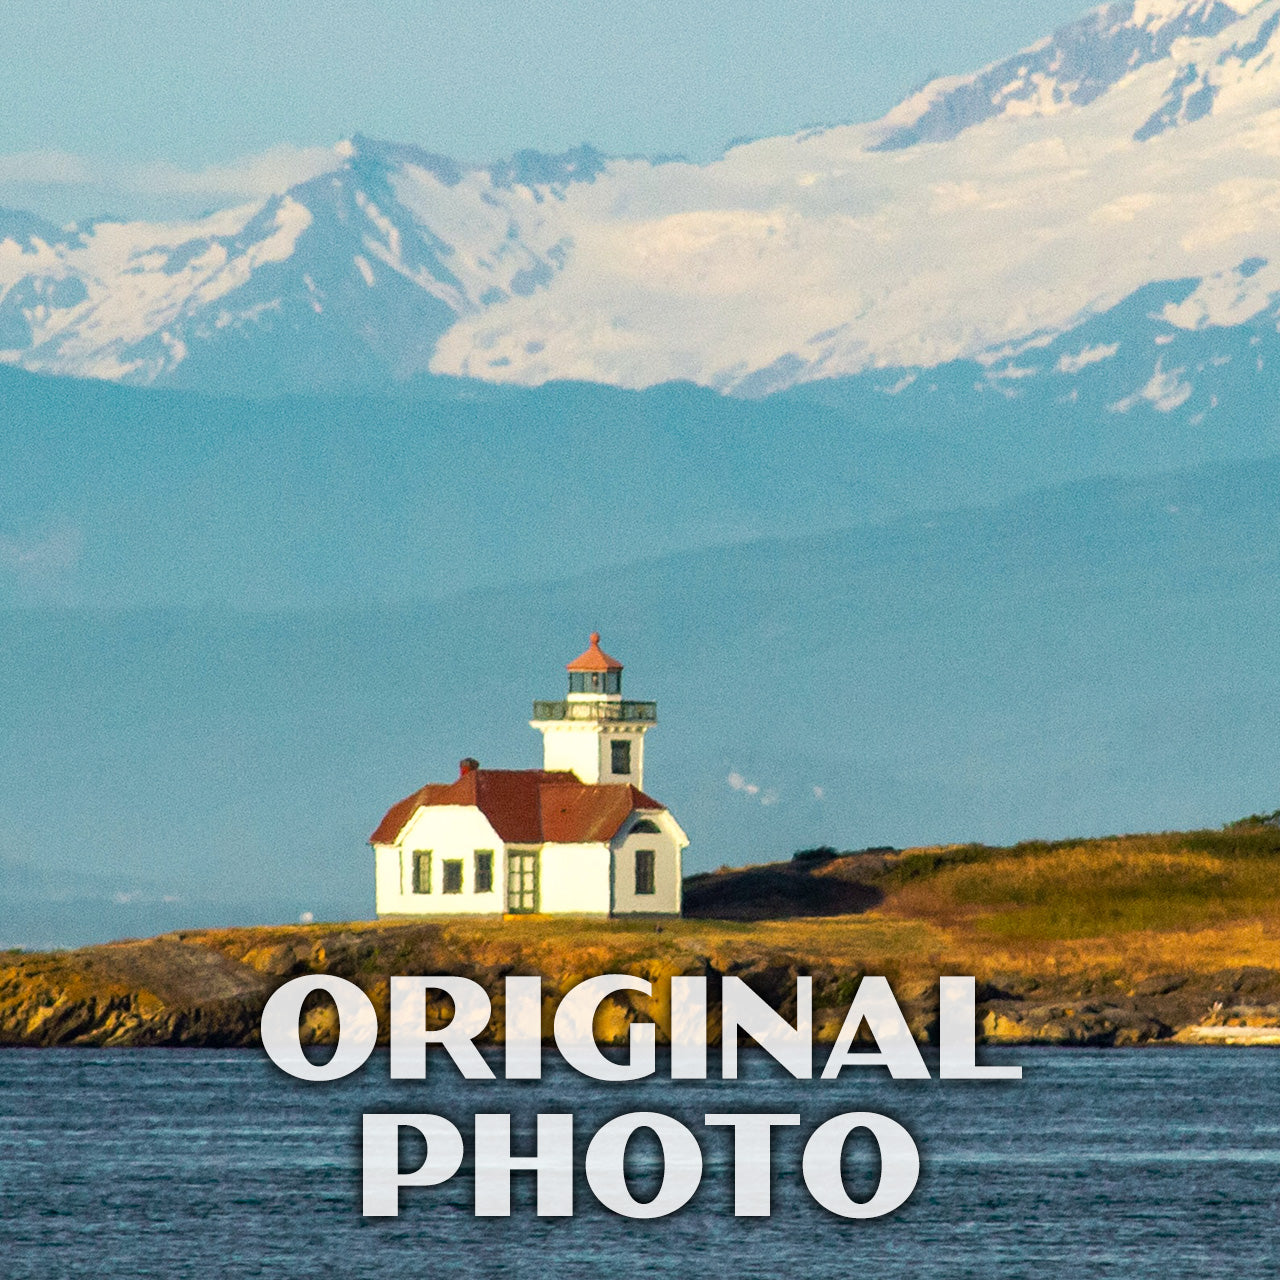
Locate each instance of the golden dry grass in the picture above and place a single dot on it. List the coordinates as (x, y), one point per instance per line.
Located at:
(1099, 888)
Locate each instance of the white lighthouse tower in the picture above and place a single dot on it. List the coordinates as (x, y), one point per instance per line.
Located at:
(593, 732)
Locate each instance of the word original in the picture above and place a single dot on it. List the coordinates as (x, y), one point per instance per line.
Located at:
(741, 1010)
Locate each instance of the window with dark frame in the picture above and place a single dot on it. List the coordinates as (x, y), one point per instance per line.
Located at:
(422, 871)
(645, 859)
(484, 871)
(451, 875)
(620, 752)
(595, 682)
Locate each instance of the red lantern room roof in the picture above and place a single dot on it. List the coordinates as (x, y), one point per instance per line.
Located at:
(594, 659)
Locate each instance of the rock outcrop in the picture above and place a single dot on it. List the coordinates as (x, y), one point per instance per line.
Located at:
(208, 988)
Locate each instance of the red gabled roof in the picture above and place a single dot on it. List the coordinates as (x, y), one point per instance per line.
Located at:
(580, 814)
(527, 806)
(594, 658)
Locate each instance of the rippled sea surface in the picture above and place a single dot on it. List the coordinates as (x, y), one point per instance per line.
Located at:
(172, 1163)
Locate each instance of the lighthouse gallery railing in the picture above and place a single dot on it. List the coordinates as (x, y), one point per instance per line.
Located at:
(625, 712)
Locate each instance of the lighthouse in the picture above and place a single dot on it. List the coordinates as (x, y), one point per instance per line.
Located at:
(577, 837)
(594, 733)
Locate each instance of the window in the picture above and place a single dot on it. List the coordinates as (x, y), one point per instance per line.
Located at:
(644, 871)
(646, 826)
(484, 871)
(620, 751)
(422, 871)
(451, 875)
(595, 681)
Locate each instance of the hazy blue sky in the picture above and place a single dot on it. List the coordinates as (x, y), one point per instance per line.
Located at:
(93, 91)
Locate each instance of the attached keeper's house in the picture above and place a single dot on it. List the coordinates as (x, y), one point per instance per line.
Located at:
(578, 836)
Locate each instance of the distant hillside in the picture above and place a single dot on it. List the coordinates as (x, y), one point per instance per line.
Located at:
(1122, 940)
(115, 497)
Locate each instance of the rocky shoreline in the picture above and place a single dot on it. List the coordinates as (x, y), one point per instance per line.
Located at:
(1234, 1006)
(207, 989)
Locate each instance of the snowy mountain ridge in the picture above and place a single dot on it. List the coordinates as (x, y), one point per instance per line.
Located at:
(986, 216)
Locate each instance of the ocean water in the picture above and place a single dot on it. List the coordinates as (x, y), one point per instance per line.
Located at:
(175, 1163)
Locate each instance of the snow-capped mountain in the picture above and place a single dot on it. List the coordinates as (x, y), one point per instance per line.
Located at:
(990, 218)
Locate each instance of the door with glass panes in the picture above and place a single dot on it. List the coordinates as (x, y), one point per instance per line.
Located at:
(522, 880)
